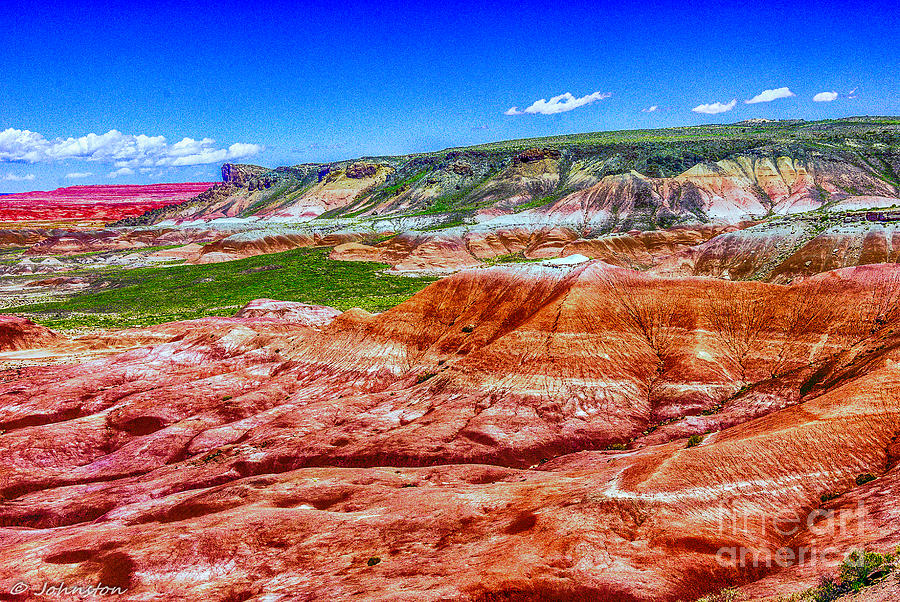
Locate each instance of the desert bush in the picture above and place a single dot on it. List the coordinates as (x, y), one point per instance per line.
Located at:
(864, 478)
(694, 440)
(728, 594)
(827, 497)
(859, 570)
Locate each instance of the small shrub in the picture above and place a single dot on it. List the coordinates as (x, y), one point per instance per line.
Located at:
(694, 440)
(864, 478)
(373, 561)
(425, 376)
(859, 570)
(862, 569)
(827, 497)
(616, 446)
(726, 595)
(829, 589)
(468, 328)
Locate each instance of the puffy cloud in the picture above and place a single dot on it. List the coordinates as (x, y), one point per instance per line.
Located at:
(557, 104)
(715, 107)
(825, 96)
(122, 171)
(118, 149)
(652, 109)
(12, 177)
(79, 174)
(21, 145)
(770, 95)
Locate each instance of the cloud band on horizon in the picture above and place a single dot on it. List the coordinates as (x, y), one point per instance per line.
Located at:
(558, 104)
(770, 95)
(715, 107)
(825, 97)
(120, 150)
(11, 177)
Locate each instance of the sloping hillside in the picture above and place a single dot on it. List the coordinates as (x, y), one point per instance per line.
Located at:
(596, 183)
(505, 434)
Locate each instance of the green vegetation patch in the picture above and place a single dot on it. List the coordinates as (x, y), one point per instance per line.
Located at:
(510, 258)
(143, 296)
(694, 440)
(859, 570)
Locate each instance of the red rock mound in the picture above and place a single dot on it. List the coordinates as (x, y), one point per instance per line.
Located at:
(313, 316)
(88, 241)
(59, 281)
(22, 237)
(504, 434)
(447, 252)
(19, 333)
(249, 244)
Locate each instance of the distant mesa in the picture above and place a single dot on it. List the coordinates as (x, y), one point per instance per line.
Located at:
(97, 204)
(600, 183)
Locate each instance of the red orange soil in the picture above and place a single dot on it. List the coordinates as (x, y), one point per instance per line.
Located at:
(95, 204)
(453, 447)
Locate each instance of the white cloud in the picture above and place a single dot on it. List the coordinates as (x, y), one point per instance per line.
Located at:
(118, 149)
(21, 145)
(770, 95)
(122, 171)
(652, 109)
(715, 107)
(852, 93)
(825, 96)
(558, 104)
(12, 177)
(79, 174)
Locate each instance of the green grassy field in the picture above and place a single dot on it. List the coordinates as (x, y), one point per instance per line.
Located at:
(154, 295)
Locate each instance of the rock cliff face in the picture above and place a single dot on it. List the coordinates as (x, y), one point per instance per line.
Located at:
(507, 433)
(242, 175)
(725, 192)
(643, 180)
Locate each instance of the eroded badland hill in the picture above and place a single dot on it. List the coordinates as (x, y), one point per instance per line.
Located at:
(655, 366)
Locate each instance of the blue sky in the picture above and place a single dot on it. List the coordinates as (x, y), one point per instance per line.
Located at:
(170, 90)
